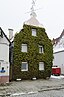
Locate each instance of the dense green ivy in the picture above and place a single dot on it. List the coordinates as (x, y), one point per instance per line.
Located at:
(33, 57)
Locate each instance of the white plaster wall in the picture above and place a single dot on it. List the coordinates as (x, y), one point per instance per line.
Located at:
(4, 52)
(4, 40)
(4, 56)
(4, 49)
(59, 60)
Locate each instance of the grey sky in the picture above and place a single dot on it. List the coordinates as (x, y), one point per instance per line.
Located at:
(13, 13)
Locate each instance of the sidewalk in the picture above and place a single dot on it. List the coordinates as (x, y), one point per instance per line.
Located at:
(30, 86)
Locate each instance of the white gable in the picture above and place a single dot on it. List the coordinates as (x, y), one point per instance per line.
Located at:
(60, 44)
(4, 40)
(4, 49)
(58, 52)
(34, 22)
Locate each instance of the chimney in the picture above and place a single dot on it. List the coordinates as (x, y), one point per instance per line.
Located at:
(10, 34)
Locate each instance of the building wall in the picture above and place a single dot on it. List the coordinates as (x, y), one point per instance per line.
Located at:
(58, 48)
(32, 56)
(59, 60)
(4, 79)
(4, 52)
(4, 59)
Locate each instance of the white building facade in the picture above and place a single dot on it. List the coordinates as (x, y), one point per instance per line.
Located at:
(58, 49)
(4, 57)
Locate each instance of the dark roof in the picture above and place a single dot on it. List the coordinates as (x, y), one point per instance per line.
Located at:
(5, 35)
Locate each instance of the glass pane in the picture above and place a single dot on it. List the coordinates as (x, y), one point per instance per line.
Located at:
(24, 48)
(41, 65)
(24, 66)
(40, 49)
(33, 32)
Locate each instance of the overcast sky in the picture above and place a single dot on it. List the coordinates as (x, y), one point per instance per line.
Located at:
(50, 13)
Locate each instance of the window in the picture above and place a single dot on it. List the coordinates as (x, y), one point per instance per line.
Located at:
(40, 49)
(41, 65)
(24, 66)
(33, 32)
(24, 48)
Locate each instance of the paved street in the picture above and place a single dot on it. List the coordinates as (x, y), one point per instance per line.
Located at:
(37, 88)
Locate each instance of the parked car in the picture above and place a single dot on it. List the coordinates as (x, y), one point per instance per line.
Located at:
(56, 70)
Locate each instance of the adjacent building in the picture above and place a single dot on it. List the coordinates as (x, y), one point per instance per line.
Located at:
(58, 47)
(4, 57)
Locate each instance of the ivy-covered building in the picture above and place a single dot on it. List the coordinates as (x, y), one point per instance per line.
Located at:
(33, 51)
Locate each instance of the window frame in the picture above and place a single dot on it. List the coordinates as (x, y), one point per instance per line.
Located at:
(34, 31)
(41, 49)
(24, 44)
(41, 66)
(25, 63)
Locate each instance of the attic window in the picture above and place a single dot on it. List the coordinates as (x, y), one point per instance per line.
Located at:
(33, 32)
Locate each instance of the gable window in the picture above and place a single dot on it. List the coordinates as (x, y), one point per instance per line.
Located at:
(33, 32)
(41, 65)
(41, 49)
(24, 48)
(24, 66)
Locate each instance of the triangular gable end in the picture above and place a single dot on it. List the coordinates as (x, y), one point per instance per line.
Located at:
(2, 33)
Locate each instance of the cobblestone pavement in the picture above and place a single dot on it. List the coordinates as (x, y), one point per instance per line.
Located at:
(36, 88)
